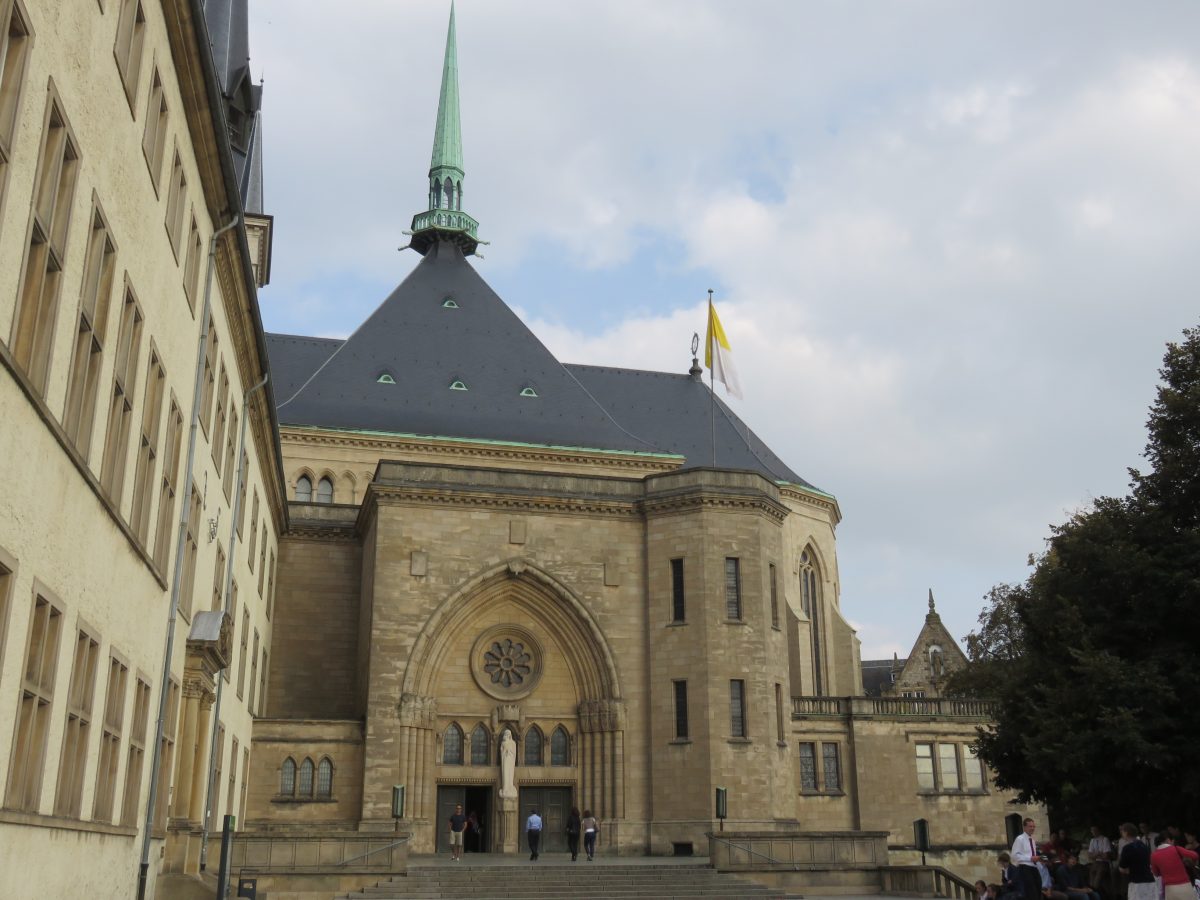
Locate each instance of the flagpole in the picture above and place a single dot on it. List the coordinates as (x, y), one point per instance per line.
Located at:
(712, 390)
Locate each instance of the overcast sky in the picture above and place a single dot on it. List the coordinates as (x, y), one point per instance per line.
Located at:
(948, 240)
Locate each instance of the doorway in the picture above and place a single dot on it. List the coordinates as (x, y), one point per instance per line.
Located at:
(553, 804)
(474, 799)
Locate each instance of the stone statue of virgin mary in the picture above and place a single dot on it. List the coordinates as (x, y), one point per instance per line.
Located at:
(508, 764)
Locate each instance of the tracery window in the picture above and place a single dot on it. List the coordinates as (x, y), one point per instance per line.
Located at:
(306, 778)
(560, 747)
(287, 777)
(480, 744)
(452, 746)
(325, 779)
(533, 747)
(303, 489)
(324, 491)
(810, 602)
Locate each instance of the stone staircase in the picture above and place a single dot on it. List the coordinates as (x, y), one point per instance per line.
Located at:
(578, 881)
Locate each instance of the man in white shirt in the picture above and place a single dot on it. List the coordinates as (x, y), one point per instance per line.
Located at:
(533, 832)
(1024, 857)
(1100, 852)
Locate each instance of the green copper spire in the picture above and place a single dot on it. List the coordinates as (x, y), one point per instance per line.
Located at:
(445, 220)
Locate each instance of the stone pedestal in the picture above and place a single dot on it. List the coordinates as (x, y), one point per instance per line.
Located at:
(509, 835)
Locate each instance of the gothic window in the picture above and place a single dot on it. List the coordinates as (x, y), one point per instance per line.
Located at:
(452, 746)
(681, 710)
(737, 708)
(325, 779)
(810, 602)
(808, 766)
(325, 491)
(832, 767)
(533, 747)
(303, 489)
(733, 589)
(678, 606)
(287, 778)
(480, 744)
(306, 778)
(560, 747)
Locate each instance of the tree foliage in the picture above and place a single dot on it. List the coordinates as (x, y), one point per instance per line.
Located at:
(1093, 660)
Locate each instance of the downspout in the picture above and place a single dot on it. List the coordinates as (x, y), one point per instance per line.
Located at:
(177, 577)
(206, 824)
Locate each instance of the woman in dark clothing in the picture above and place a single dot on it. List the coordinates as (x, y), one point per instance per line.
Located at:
(1135, 863)
(573, 823)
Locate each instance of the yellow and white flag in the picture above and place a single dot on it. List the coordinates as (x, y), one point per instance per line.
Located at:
(717, 355)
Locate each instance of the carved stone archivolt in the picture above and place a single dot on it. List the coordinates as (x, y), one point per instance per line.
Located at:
(601, 715)
(418, 711)
(507, 661)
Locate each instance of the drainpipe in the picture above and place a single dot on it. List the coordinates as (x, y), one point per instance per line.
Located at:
(177, 577)
(216, 716)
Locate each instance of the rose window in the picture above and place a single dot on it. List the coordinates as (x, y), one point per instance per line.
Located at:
(507, 663)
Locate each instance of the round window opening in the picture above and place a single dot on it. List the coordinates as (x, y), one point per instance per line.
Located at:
(507, 662)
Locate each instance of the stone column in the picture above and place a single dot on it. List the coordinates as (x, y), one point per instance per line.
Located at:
(200, 754)
(602, 750)
(186, 748)
(417, 751)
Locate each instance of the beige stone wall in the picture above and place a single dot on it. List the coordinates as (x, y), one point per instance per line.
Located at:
(277, 740)
(61, 533)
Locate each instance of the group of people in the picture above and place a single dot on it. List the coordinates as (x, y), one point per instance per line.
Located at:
(584, 824)
(1144, 865)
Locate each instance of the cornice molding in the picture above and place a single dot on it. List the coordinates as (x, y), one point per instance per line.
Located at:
(800, 495)
(694, 501)
(386, 495)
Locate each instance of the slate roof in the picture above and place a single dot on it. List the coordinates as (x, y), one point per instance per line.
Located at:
(425, 347)
(877, 674)
(228, 24)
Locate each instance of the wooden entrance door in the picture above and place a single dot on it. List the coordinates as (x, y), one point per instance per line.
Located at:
(553, 804)
(448, 797)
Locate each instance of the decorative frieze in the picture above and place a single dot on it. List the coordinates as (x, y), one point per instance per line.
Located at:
(417, 711)
(602, 715)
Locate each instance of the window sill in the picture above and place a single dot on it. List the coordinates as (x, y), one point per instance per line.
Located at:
(743, 742)
(809, 792)
(675, 623)
(37, 820)
(735, 622)
(680, 741)
(297, 800)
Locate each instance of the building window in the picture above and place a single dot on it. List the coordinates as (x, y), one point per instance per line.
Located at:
(325, 491)
(243, 478)
(233, 760)
(262, 557)
(678, 609)
(452, 746)
(774, 597)
(287, 777)
(733, 589)
(306, 779)
(948, 766)
(245, 782)
(262, 684)
(534, 747)
(779, 712)
(808, 766)
(303, 491)
(154, 137)
(120, 412)
(166, 494)
(926, 780)
(245, 645)
(14, 46)
(208, 386)
(810, 602)
(176, 202)
(681, 710)
(37, 298)
(137, 753)
(560, 747)
(110, 741)
(191, 550)
(147, 456)
(480, 746)
(218, 769)
(831, 768)
(230, 452)
(33, 719)
(88, 356)
(972, 766)
(325, 779)
(82, 690)
(253, 674)
(911, 695)
(218, 434)
(166, 755)
(737, 708)
(131, 36)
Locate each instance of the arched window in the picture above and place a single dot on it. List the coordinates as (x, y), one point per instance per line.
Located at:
(325, 779)
(448, 187)
(306, 778)
(452, 746)
(810, 602)
(480, 745)
(533, 747)
(437, 194)
(324, 491)
(304, 489)
(560, 747)
(287, 777)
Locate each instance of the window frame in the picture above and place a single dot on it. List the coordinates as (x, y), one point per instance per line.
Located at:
(734, 607)
(678, 594)
(679, 688)
(739, 725)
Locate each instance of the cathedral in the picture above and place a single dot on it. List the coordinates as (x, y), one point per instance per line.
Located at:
(316, 584)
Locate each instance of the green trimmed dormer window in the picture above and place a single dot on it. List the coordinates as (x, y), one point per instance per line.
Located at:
(457, 386)
(528, 392)
(385, 378)
(449, 303)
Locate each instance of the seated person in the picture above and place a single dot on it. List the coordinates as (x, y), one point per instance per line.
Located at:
(1072, 878)
(1010, 881)
(981, 890)
(1048, 890)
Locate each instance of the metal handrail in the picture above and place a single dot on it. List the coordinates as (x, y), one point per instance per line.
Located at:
(770, 859)
(403, 840)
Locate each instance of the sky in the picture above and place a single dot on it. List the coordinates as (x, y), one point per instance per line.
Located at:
(948, 241)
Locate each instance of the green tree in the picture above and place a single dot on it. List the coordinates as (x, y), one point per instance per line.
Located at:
(1093, 660)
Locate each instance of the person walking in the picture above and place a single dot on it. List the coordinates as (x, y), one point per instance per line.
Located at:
(458, 825)
(1024, 855)
(533, 833)
(573, 823)
(1170, 863)
(591, 830)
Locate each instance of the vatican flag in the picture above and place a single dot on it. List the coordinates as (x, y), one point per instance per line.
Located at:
(717, 355)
